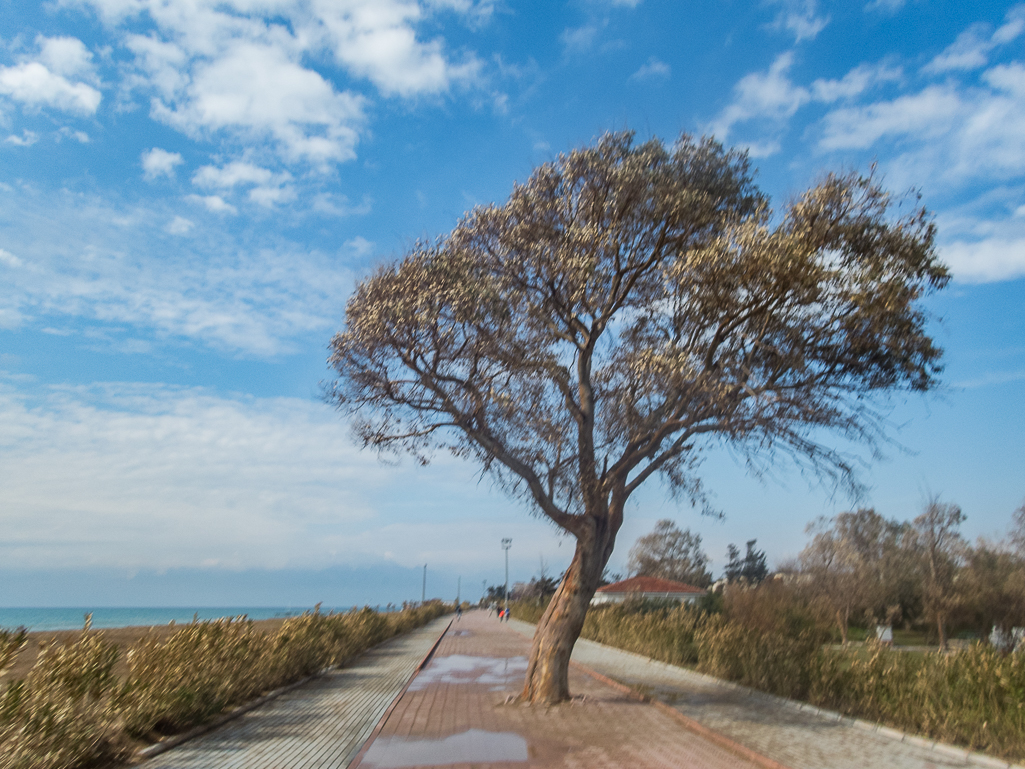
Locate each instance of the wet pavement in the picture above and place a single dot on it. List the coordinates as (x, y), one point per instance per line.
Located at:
(460, 712)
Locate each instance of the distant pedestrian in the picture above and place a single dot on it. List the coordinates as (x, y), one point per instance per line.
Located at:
(459, 612)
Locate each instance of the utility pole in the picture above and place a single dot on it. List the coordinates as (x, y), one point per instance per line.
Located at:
(423, 593)
(459, 587)
(506, 544)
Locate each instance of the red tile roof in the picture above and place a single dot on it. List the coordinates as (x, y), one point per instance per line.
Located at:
(649, 585)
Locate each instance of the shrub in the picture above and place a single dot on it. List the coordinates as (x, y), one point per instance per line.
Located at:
(63, 713)
(71, 711)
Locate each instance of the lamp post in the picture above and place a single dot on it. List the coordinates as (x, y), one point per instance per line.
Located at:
(423, 593)
(506, 544)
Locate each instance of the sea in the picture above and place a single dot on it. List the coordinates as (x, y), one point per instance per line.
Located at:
(73, 618)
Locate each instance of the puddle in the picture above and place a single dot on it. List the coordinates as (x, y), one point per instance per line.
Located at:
(495, 672)
(473, 746)
(461, 632)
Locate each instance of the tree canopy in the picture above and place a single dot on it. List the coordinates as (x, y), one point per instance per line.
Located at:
(670, 553)
(629, 302)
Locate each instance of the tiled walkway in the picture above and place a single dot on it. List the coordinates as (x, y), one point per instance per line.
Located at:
(455, 714)
(321, 725)
(775, 728)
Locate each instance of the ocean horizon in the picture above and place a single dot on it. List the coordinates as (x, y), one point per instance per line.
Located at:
(73, 618)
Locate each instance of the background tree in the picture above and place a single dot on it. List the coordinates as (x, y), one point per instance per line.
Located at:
(859, 563)
(941, 550)
(752, 568)
(627, 303)
(669, 553)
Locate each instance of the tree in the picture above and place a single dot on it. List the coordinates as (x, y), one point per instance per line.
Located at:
(670, 553)
(942, 551)
(858, 561)
(752, 568)
(628, 304)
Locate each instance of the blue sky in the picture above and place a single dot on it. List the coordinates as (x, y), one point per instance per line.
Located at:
(189, 190)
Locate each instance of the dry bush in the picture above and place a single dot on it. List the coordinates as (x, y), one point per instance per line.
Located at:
(193, 675)
(63, 713)
(972, 697)
(71, 711)
(770, 661)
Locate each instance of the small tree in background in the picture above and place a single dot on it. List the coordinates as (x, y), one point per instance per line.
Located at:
(941, 549)
(752, 568)
(672, 554)
(625, 305)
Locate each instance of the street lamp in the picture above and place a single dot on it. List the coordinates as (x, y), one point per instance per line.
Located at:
(506, 544)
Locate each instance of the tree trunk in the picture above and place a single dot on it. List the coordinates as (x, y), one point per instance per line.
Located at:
(547, 679)
(940, 629)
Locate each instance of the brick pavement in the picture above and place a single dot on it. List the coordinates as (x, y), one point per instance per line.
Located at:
(321, 725)
(456, 713)
(793, 734)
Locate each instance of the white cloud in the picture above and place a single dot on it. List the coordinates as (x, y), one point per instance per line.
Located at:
(768, 94)
(242, 72)
(150, 476)
(927, 113)
(231, 175)
(157, 162)
(179, 226)
(377, 40)
(854, 83)
(156, 477)
(359, 247)
(214, 203)
(9, 259)
(653, 69)
(113, 268)
(579, 39)
(800, 17)
(972, 48)
(27, 138)
(339, 205)
(269, 188)
(885, 6)
(268, 197)
(32, 84)
(986, 260)
(256, 92)
(67, 56)
(79, 136)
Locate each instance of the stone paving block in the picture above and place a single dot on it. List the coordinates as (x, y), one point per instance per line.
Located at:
(457, 713)
(322, 725)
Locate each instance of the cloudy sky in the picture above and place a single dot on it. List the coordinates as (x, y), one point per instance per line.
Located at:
(189, 190)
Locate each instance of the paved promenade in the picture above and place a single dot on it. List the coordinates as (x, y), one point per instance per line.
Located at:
(322, 725)
(800, 738)
(457, 713)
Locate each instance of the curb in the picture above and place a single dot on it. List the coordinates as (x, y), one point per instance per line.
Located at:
(197, 731)
(354, 764)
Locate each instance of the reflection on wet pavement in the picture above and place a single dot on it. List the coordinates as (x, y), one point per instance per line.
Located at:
(472, 746)
(495, 672)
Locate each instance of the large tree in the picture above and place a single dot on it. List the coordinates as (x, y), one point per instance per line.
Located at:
(628, 304)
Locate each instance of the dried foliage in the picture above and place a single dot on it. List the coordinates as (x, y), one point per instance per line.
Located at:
(71, 711)
(766, 638)
(669, 553)
(627, 303)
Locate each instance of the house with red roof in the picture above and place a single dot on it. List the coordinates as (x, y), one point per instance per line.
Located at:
(640, 588)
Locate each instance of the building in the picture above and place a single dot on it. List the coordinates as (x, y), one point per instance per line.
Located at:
(639, 588)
